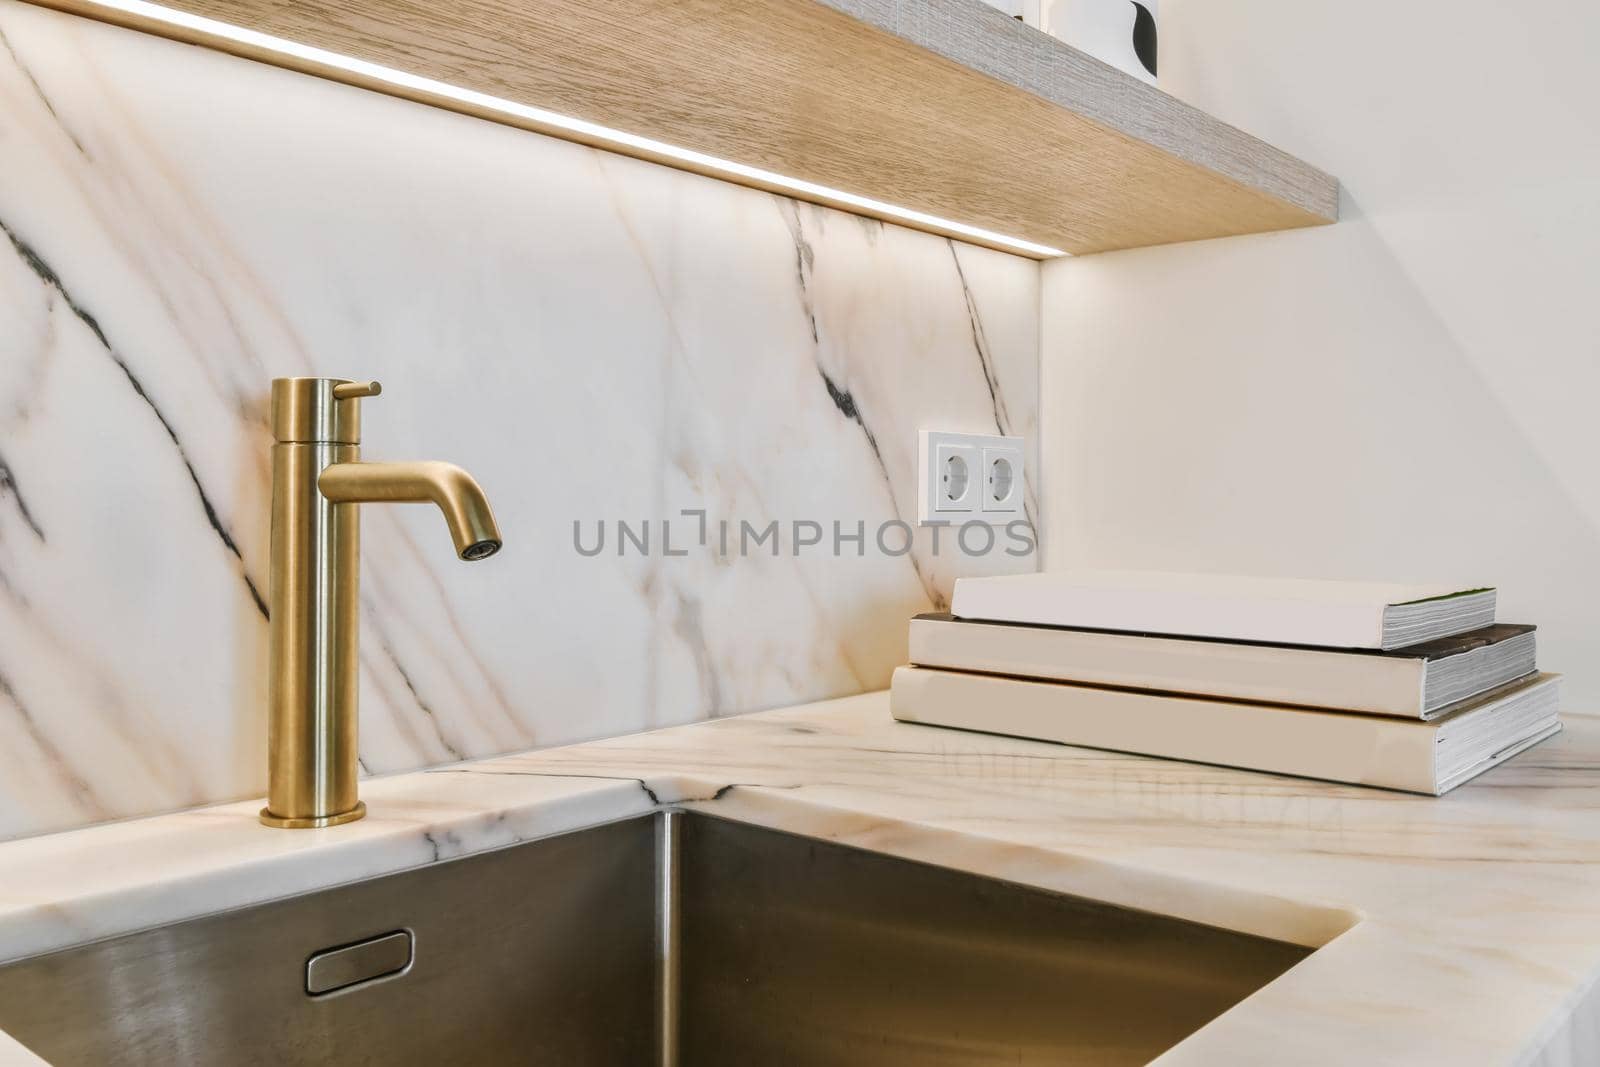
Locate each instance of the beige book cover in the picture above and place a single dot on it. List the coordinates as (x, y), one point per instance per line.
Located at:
(1418, 757)
(1291, 611)
(1423, 682)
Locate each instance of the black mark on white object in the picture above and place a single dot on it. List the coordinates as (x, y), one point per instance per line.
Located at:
(1144, 36)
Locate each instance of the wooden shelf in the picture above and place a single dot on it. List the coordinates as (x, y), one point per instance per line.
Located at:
(942, 107)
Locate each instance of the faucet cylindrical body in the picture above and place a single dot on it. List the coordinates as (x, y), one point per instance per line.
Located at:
(312, 720)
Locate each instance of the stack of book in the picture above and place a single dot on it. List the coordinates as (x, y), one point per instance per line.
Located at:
(1404, 687)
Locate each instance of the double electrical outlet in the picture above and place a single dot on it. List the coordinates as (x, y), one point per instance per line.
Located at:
(969, 477)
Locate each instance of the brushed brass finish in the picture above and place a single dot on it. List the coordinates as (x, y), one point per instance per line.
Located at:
(317, 481)
(310, 411)
(457, 494)
(314, 657)
(357, 812)
(355, 390)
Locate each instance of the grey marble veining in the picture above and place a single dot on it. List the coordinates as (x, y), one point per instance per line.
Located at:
(594, 337)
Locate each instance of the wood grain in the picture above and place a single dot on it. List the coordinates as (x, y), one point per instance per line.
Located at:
(943, 106)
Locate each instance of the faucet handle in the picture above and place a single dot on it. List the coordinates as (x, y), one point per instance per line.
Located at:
(308, 410)
(356, 390)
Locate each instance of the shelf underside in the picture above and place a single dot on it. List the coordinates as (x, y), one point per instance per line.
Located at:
(942, 107)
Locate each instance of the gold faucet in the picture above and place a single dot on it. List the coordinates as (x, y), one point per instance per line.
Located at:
(317, 481)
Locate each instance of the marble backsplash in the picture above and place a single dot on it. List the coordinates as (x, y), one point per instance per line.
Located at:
(594, 337)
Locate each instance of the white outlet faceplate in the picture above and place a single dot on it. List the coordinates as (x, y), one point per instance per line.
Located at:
(969, 477)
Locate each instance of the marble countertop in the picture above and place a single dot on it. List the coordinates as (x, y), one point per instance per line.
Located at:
(1462, 929)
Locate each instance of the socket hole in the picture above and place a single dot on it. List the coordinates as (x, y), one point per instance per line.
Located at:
(1001, 480)
(956, 477)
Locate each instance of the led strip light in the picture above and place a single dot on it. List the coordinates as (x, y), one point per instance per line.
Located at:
(590, 131)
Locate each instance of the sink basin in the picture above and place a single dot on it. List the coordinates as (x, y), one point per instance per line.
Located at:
(675, 938)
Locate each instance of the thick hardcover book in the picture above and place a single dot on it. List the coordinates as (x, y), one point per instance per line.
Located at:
(1417, 757)
(1276, 610)
(1420, 682)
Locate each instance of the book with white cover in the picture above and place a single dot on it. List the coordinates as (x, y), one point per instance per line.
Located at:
(1420, 682)
(1417, 757)
(1290, 611)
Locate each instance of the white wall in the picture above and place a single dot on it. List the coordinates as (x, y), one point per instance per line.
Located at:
(1410, 393)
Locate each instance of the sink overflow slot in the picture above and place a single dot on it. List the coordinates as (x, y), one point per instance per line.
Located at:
(336, 969)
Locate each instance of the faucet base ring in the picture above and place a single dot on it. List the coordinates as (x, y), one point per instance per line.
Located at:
(313, 822)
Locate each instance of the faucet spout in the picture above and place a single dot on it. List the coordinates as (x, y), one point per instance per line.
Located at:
(455, 492)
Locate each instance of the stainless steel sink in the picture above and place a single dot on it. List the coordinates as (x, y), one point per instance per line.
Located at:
(670, 939)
